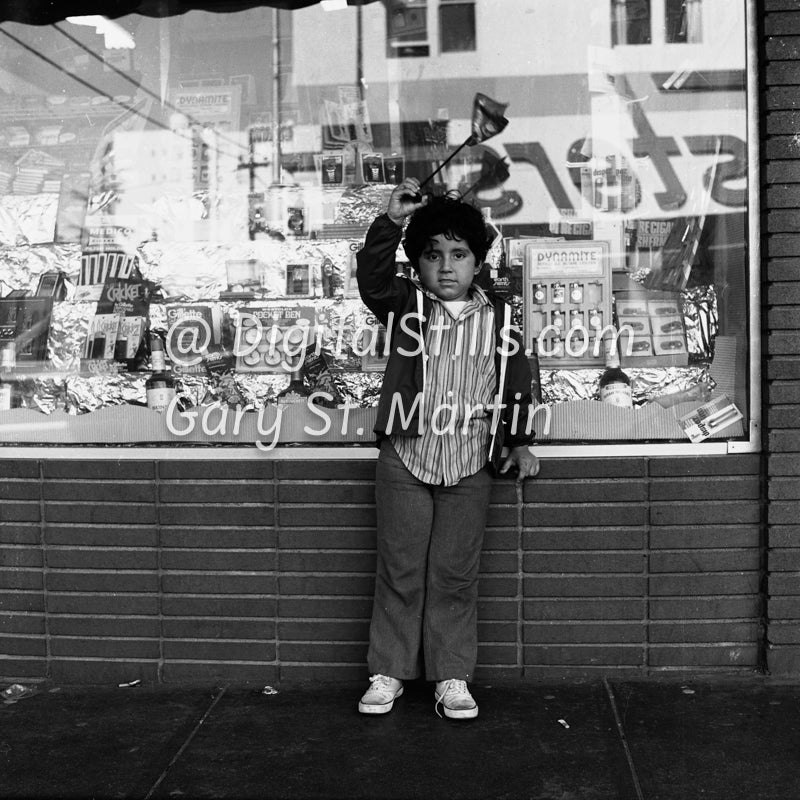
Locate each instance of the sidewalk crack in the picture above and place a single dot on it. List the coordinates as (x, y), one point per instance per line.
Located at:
(186, 743)
(623, 739)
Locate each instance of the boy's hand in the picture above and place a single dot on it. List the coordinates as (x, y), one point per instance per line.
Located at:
(404, 200)
(524, 460)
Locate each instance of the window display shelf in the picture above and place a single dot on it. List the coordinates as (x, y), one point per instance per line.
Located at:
(291, 423)
(300, 423)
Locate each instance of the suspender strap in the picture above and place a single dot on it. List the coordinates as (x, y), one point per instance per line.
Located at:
(423, 354)
(501, 383)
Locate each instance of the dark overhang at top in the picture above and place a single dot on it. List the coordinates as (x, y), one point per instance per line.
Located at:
(45, 12)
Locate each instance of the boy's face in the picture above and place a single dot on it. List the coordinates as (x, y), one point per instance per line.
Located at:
(447, 267)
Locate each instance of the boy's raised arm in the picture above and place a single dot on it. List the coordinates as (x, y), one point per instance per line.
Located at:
(376, 268)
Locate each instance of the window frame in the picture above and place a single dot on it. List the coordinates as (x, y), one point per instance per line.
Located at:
(752, 443)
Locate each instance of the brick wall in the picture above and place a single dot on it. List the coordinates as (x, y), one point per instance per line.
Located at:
(263, 571)
(781, 248)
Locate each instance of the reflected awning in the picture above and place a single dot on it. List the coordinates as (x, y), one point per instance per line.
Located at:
(45, 12)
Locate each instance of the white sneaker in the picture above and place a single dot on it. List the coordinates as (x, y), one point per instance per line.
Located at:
(456, 700)
(380, 696)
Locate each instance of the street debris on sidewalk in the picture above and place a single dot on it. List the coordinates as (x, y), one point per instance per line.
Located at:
(17, 692)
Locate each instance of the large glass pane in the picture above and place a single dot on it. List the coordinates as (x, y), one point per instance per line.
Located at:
(181, 200)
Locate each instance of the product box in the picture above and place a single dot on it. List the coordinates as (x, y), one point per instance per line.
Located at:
(663, 308)
(669, 346)
(108, 251)
(102, 337)
(638, 325)
(372, 167)
(507, 281)
(652, 332)
(627, 307)
(273, 339)
(667, 326)
(332, 169)
(33, 316)
(710, 418)
(633, 349)
(129, 300)
(394, 168)
(194, 332)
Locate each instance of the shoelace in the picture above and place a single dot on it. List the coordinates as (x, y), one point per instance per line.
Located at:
(454, 686)
(379, 683)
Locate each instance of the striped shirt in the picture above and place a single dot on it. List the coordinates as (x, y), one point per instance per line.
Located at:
(459, 384)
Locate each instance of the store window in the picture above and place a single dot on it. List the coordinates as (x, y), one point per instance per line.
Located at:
(181, 201)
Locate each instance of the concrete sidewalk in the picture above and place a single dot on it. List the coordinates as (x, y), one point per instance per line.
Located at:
(736, 739)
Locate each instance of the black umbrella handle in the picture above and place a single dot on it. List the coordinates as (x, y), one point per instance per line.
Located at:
(417, 197)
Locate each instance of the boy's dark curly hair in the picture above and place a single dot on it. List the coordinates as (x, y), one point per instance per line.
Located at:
(452, 217)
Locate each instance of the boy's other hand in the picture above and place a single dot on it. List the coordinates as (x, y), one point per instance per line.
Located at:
(524, 460)
(404, 200)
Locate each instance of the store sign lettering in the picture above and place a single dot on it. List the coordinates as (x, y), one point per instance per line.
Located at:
(732, 166)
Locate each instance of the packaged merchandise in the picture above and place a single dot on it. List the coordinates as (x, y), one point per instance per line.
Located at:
(565, 286)
(274, 338)
(193, 333)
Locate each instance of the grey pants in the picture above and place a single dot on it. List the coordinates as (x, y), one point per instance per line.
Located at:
(426, 584)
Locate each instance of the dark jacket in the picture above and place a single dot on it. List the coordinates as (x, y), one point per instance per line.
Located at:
(394, 298)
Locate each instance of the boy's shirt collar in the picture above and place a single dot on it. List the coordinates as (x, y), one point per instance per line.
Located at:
(475, 293)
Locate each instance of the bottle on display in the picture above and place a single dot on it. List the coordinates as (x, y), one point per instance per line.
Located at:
(296, 391)
(160, 387)
(8, 388)
(615, 385)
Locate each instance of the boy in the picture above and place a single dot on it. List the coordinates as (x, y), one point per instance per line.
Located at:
(457, 387)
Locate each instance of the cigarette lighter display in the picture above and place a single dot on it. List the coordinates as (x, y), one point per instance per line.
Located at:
(567, 302)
